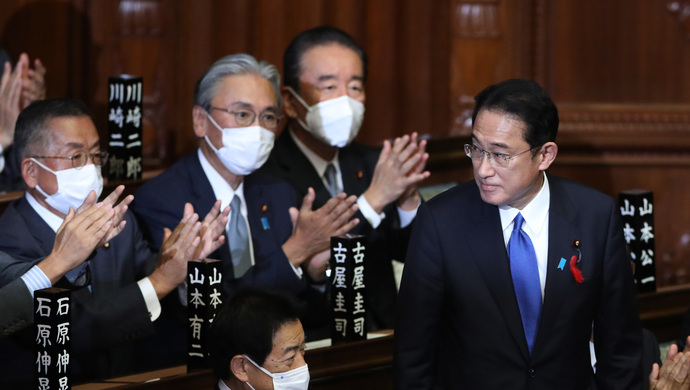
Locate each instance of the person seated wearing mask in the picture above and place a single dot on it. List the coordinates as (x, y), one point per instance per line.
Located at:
(324, 72)
(271, 243)
(116, 293)
(257, 342)
(75, 240)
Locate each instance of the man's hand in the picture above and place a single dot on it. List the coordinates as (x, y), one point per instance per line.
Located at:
(212, 229)
(674, 374)
(409, 200)
(10, 94)
(178, 248)
(314, 228)
(76, 239)
(317, 265)
(118, 222)
(33, 80)
(398, 172)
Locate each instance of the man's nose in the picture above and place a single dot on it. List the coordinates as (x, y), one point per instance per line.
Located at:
(299, 359)
(485, 169)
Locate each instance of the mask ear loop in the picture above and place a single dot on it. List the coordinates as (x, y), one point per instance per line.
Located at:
(299, 98)
(208, 141)
(304, 104)
(38, 187)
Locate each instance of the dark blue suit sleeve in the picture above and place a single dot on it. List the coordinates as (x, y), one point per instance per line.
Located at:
(15, 307)
(420, 307)
(617, 332)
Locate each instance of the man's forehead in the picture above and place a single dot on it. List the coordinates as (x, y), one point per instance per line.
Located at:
(491, 124)
(71, 132)
(245, 91)
(326, 60)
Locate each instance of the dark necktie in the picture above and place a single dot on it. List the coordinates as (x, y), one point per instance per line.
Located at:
(332, 180)
(238, 238)
(523, 267)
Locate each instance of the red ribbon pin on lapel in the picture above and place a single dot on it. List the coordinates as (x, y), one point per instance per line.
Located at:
(577, 274)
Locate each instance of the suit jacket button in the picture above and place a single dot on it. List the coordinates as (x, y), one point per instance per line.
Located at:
(532, 373)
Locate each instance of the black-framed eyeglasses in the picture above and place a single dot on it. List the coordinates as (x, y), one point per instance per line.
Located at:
(267, 119)
(495, 159)
(81, 158)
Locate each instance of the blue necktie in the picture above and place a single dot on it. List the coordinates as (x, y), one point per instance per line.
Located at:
(523, 267)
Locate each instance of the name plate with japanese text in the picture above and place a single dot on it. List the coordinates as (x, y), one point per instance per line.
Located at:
(348, 291)
(52, 319)
(637, 211)
(204, 299)
(125, 117)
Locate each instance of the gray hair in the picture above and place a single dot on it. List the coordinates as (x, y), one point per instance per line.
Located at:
(235, 64)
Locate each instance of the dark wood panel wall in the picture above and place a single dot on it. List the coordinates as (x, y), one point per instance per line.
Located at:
(619, 71)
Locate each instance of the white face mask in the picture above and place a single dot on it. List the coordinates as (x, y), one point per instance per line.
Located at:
(245, 149)
(74, 185)
(297, 379)
(335, 121)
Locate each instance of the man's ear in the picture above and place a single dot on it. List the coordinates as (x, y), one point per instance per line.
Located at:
(199, 120)
(289, 103)
(547, 154)
(30, 172)
(238, 367)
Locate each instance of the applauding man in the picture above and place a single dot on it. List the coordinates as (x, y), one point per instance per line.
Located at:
(116, 293)
(324, 71)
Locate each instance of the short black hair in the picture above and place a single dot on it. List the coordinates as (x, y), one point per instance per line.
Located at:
(318, 36)
(30, 130)
(246, 325)
(525, 100)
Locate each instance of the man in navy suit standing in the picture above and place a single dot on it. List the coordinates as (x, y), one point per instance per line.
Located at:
(270, 242)
(506, 275)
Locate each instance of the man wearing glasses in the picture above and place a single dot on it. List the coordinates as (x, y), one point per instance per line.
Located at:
(272, 240)
(116, 292)
(505, 276)
(325, 72)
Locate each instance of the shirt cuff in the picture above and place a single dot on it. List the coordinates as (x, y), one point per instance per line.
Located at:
(35, 279)
(298, 270)
(406, 217)
(369, 213)
(150, 297)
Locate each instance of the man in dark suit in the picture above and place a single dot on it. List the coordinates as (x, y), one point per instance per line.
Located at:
(235, 115)
(324, 71)
(75, 240)
(116, 294)
(506, 275)
(257, 342)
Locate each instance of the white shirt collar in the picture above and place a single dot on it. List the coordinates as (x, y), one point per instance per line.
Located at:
(221, 188)
(534, 213)
(222, 385)
(51, 219)
(316, 161)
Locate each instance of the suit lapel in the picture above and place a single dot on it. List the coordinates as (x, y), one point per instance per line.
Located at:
(298, 170)
(352, 169)
(42, 233)
(562, 233)
(491, 257)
